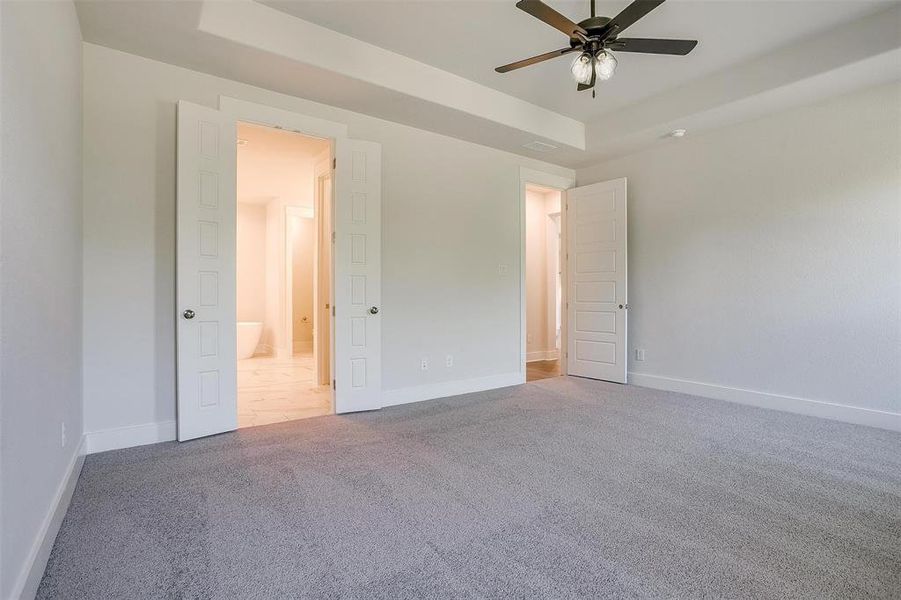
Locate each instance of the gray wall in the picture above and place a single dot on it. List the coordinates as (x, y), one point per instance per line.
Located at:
(765, 256)
(40, 269)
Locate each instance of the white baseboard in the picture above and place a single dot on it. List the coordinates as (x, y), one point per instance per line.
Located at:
(26, 584)
(431, 391)
(792, 404)
(133, 435)
(542, 355)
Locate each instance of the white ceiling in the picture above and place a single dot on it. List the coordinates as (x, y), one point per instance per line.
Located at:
(471, 38)
(430, 63)
(269, 162)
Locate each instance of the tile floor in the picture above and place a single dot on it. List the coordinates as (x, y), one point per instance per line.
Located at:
(272, 390)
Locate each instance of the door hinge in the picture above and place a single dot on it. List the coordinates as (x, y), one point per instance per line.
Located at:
(333, 384)
(333, 310)
(333, 237)
(334, 163)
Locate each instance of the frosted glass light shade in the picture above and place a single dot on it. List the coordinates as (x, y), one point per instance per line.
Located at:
(606, 65)
(581, 68)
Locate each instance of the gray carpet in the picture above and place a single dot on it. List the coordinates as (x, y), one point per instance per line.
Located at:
(563, 488)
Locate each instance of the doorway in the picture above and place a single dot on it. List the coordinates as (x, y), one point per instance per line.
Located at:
(206, 273)
(543, 282)
(283, 275)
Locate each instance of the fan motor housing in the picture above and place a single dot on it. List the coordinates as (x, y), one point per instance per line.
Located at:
(593, 25)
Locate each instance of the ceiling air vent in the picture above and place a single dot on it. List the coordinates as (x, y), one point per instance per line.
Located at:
(539, 146)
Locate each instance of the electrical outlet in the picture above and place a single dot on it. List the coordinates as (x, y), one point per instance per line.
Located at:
(424, 364)
(502, 269)
(639, 354)
(62, 435)
(449, 361)
(529, 338)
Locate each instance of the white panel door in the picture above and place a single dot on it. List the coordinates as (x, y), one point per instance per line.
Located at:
(205, 272)
(358, 272)
(596, 288)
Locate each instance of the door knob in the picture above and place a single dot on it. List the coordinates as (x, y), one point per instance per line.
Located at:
(374, 310)
(188, 314)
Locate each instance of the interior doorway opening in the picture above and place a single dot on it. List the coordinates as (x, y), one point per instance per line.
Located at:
(544, 282)
(283, 275)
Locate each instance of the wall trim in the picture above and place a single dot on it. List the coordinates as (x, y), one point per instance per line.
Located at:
(792, 404)
(26, 584)
(129, 436)
(431, 391)
(254, 112)
(542, 355)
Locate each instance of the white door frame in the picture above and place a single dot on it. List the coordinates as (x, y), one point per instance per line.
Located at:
(554, 227)
(250, 112)
(557, 182)
(323, 357)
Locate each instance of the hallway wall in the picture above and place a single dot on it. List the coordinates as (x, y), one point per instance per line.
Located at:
(303, 242)
(40, 282)
(450, 244)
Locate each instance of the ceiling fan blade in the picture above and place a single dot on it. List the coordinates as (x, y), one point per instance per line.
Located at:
(545, 13)
(536, 59)
(629, 15)
(653, 46)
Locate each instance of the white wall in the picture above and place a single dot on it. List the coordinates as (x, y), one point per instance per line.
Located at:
(540, 340)
(272, 340)
(251, 262)
(450, 218)
(765, 256)
(40, 281)
(303, 240)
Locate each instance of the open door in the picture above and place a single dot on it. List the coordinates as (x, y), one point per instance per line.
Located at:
(357, 281)
(205, 272)
(597, 295)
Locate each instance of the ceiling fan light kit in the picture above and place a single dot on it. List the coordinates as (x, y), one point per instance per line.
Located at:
(594, 38)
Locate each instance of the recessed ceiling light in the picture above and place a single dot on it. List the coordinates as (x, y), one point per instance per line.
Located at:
(539, 146)
(678, 133)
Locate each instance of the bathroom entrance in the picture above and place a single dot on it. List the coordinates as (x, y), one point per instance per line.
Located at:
(284, 276)
(543, 282)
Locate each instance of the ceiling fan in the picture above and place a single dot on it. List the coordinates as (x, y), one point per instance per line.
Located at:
(596, 37)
